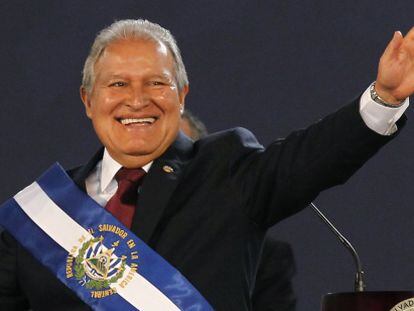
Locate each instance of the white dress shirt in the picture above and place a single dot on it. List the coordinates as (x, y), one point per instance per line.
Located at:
(101, 184)
(379, 118)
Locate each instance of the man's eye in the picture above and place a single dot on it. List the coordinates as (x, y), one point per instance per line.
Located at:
(118, 84)
(157, 83)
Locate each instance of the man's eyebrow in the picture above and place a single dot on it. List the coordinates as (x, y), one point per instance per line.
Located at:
(109, 77)
(114, 76)
(121, 76)
(162, 76)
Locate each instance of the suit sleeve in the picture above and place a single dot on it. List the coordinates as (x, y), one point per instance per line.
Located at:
(280, 180)
(11, 298)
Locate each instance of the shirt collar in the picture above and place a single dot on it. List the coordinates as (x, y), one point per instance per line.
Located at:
(109, 167)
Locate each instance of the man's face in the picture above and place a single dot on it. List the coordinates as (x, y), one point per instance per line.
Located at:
(134, 103)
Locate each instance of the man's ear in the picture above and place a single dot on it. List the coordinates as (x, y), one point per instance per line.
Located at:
(183, 94)
(86, 101)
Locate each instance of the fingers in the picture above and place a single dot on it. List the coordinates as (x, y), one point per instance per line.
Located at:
(408, 45)
(410, 34)
(393, 47)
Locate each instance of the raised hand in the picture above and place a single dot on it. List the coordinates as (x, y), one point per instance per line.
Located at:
(395, 79)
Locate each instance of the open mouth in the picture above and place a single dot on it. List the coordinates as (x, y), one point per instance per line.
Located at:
(137, 121)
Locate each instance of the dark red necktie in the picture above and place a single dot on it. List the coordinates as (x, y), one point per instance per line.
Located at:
(123, 203)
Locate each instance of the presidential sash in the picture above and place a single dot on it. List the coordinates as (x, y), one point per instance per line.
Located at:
(91, 252)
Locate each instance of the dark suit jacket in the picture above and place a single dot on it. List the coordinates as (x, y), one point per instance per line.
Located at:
(208, 218)
(273, 289)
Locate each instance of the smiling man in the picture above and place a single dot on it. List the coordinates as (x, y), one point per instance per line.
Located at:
(135, 103)
(204, 207)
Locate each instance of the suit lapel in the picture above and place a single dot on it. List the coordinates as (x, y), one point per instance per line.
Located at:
(159, 185)
(79, 175)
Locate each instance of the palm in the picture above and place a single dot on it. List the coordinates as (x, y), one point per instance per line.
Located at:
(395, 79)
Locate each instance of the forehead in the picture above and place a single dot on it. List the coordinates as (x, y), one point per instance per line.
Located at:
(134, 54)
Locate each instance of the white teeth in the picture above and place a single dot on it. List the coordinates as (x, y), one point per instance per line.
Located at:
(141, 120)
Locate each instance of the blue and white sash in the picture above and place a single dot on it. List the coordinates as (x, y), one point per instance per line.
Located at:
(91, 252)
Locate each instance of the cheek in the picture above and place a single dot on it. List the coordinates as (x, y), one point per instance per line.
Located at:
(163, 97)
(103, 106)
(167, 95)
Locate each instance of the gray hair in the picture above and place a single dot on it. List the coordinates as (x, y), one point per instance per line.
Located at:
(133, 29)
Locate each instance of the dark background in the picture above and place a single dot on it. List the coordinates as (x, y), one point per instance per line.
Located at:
(270, 66)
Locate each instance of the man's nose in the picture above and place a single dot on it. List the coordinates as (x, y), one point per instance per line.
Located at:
(137, 98)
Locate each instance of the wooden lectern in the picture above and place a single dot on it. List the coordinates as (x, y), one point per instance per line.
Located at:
(369, 301)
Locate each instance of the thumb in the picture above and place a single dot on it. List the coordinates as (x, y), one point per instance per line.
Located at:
(394, 45)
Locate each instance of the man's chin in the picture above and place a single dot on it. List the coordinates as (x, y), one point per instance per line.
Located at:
(135, 159)
(141, 153)
(144, 153)
(138, 151)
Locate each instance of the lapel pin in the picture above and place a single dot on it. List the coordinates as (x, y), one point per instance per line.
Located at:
(168, 169)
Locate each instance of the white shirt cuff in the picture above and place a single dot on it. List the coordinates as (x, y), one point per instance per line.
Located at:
(379, 118)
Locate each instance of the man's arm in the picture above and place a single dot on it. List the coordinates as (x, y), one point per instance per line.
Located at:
(386, 99)
(291, 172)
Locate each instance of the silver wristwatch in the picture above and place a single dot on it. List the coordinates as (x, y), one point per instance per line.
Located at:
(376, 98)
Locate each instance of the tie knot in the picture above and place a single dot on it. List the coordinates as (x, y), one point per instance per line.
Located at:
(123, 202)
(131, 174)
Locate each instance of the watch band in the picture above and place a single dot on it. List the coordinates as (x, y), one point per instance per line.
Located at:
(376, 98)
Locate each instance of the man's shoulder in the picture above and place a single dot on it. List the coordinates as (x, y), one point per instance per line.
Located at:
(234, 137)
(224, 146)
